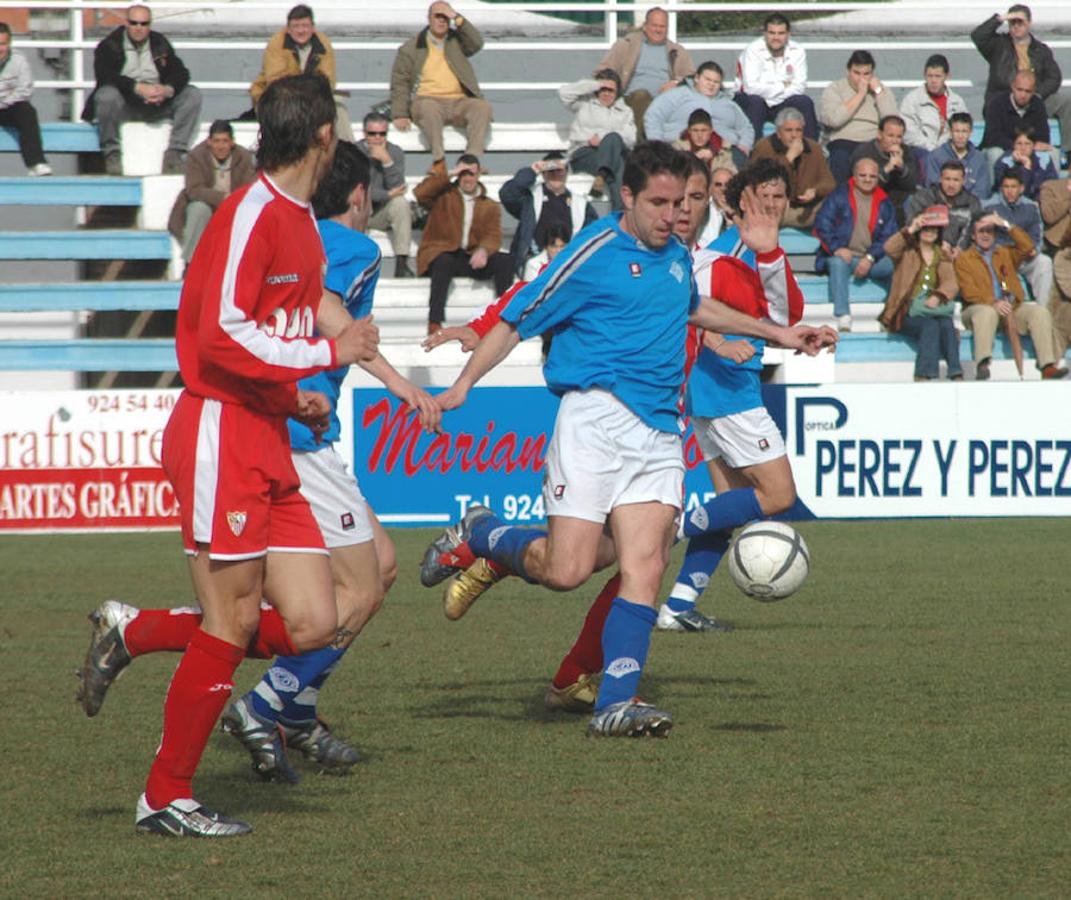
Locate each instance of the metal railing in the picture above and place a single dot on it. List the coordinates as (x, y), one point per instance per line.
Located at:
(80, 48)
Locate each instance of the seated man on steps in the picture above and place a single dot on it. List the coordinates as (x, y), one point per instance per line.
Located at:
(16, 110)
(463, 236)
(390, 210)
(140, 78)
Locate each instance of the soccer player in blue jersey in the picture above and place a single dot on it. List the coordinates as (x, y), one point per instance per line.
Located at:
(741, 444)
(281, 710)
(618, 300)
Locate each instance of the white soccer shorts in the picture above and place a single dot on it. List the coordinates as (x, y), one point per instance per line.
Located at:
(602, 456)
(742, 439)
(335, 498)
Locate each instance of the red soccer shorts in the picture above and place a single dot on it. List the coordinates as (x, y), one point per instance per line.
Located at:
(235, 482)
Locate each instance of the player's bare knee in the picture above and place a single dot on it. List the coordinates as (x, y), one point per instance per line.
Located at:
(776, 499)
(566, 574)
(388, 574)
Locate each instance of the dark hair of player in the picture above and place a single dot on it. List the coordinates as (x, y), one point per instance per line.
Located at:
(653, 158)
(761, 171)
(291, 111)
(696, 166)
(349, 170)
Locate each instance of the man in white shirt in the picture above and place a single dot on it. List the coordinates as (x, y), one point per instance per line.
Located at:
(771, 74)
(16, 111)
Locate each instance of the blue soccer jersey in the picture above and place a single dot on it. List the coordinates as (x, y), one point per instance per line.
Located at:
(352, 273)
(618, 311)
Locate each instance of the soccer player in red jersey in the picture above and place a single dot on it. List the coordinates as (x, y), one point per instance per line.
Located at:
(245, 335)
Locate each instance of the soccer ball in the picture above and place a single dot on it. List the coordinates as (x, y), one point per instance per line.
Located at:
(769, 561)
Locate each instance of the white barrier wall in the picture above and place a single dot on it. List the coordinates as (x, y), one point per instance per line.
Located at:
(90, 460)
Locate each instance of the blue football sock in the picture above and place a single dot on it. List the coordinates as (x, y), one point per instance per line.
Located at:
(625, 638)
(287, 679)
(700, 562)
(736, 507)
(493, 539)
(303, 707)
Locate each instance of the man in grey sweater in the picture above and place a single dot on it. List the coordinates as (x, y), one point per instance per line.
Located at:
(390, 210)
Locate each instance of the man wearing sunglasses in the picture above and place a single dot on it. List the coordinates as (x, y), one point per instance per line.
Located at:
(433, 83)
(390, 210)
(139, 78)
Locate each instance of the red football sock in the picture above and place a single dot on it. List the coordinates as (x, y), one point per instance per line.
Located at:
(272, 638)
(200, 688)
(153, 630)
(585, 656)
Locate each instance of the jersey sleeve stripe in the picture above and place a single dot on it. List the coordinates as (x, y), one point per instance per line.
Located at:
(361, 281)
(774, 278)
(569, 268)
(235, 322)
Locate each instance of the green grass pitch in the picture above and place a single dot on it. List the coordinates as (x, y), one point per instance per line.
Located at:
(899, 728)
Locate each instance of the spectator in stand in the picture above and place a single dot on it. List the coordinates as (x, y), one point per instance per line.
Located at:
(1018, 107)
(16, 110)
(602, 131)
(668, 115)
(140, 77)
(990, 289)
(977, 172)
(1034, 170)
(771, 76)
(853, 225)
(215, 167)
(390, 210)
(928, 109)
(922, 298)
(433, 84)
(299, 49)
(1060, 299)
(647, 64)
(701, 141)
(810, 180)
(542, 208)
(719, 212)
(1014, 206)
(962, 206)
(463, 235)
(850, 110)
(1017, 50)
(1055, 203)
(897, 165)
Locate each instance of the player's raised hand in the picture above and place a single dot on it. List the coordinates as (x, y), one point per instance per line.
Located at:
(314, 411)
(758, 227)
(358, 342)
(462, 333)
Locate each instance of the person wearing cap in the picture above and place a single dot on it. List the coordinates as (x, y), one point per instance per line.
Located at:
(463, 236)
(1017, 50)
(542, 208)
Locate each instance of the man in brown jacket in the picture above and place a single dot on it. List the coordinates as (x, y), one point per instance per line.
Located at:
(990, 288)
(811, 180)
(433, 84)
(1055, 202)
(463, 236)
(214, 168)
(648, 64)
(301, 49)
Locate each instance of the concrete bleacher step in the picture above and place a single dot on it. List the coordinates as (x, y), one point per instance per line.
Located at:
(88, 244)
(90, 355)
(78, 190)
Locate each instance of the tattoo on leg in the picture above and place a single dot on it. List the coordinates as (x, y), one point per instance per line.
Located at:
(342, 637)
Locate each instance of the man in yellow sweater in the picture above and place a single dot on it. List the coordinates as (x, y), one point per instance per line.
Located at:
(433, 84)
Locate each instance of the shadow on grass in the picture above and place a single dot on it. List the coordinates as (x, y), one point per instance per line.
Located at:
(749, 727)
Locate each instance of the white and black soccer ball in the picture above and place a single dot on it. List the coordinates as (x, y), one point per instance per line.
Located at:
(769, 560)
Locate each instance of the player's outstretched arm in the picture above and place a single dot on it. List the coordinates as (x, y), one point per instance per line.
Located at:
(402, 388)
(466, 336)
(494, 348)
(714, 315)
(314, 411)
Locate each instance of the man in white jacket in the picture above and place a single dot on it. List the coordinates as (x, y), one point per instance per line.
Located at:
(602, 132)
(927, 109)
(771, 74)
(16, 88)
